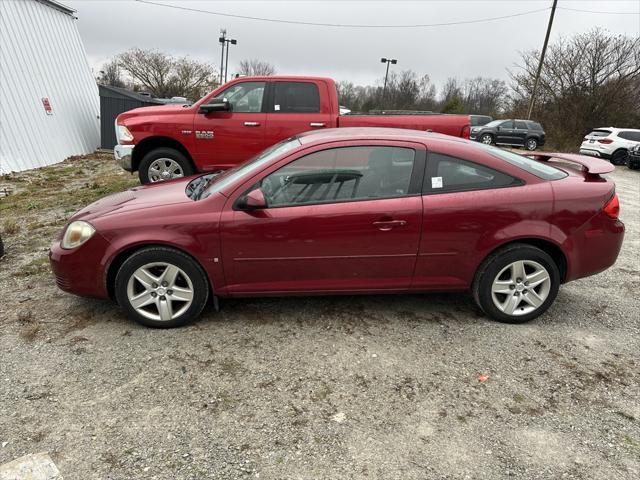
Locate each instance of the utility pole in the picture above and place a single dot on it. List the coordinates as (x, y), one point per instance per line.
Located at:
(386, 75)
(544, 50)
(221, 39)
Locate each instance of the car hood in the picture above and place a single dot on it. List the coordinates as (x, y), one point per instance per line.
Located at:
(138, 198)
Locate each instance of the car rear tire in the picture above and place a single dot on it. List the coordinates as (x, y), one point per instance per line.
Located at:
(619, 157)
(531, 144)
(486, 138)
(161, 288)
(164, 164)
(516, 284)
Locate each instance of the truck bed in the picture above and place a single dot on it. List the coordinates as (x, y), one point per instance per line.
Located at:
(448, 124)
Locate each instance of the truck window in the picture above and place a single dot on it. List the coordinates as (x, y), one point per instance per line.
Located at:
(245, 97)
(296, 97)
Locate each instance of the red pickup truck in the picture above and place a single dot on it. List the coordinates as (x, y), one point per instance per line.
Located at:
(241, 118)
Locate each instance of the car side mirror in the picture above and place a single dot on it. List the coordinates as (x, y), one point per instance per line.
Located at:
(254, 200)
(215, 105)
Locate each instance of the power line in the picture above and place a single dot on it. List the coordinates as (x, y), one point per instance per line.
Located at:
(341, 25)
(594, 11)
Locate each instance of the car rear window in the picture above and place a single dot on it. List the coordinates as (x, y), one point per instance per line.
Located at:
(534, 167)
(600, 133)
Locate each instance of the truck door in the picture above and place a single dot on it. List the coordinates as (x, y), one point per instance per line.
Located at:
(225, 139)
(296, 106)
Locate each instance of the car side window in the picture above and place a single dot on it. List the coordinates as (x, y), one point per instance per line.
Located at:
(629, 135)
(521, 125)
(245, 97)
(341, 174)
(447, 174)
(507, 124)
(296, 97)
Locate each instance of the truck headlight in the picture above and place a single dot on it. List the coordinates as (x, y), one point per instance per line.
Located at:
(123, 134)
(76, 234)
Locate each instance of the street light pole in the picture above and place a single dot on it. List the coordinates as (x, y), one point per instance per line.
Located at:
(222, 40)
(226, 67)
(544, 50)
(386, 75)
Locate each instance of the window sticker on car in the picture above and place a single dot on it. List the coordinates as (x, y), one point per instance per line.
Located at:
(436, 182)
(276, 107)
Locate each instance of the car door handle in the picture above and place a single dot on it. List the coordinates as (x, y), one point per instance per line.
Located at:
(251, 124)
(316, 124)
(386, 225)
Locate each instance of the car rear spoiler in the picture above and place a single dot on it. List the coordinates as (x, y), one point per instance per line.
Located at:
(590, 164)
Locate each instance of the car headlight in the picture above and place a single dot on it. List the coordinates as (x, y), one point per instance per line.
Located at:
(476, 129)
(123, 134)
(76, 234)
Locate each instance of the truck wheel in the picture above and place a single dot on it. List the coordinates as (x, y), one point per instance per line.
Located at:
(619, 157)
(487, 139)
(164, 164)
(531, 144)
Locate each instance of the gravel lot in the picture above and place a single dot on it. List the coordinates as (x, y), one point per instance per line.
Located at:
(398, 387)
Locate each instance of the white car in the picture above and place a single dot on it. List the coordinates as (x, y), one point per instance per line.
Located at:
(610, 143)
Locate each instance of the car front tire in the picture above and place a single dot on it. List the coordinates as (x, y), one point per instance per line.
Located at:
(161, 287)
(164, 164)
(516, 284)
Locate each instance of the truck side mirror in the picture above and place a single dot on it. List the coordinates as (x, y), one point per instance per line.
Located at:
(254, 200)
(215, 105)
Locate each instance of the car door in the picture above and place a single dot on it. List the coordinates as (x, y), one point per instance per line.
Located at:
(294, 107)
(225, 139)
(345, 218)
(520, 132)
(504, 132)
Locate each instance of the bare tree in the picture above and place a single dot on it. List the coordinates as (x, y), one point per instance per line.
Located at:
(588, 80)
(255, 67)
(166, 76)
(111, 75)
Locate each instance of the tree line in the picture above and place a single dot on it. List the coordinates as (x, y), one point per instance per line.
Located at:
(588, 80)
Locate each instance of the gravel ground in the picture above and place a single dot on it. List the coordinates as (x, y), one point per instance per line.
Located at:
(397, 387)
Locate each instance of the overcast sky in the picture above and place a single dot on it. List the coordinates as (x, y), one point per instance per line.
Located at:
(488, 49)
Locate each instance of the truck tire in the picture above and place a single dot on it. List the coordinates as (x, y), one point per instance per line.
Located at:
(164, 164)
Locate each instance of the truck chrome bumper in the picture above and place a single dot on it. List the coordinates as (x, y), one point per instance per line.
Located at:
(123, 154)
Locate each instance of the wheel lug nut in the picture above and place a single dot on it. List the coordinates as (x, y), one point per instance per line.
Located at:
(518, 280)
(525, 291)
(154, 294)
(163, 298)
(517, 294)
(154, 285)
(169, 292)
(512, 287)
(526, 284)
(164, 284)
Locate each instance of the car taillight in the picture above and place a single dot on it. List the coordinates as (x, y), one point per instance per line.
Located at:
(606, 141)
(465, 131)
(612, 208)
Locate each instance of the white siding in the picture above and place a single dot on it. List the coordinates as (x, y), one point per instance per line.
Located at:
(41, 55)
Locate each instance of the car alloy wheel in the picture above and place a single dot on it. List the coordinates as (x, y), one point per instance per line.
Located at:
(164, 169)
(161, 287)
(531, 144)
(486, 139)
(521, 287)
(160, 291)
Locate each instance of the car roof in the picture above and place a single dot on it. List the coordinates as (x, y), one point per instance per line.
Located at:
(371, 133)
(617, 129)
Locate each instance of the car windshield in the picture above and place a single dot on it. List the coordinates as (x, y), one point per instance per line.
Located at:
(219, 182)
(539, 169)
(495, 123)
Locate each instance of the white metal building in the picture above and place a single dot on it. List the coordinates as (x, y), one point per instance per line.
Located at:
(49, 102)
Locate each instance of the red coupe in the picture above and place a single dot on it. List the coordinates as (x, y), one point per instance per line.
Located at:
(348, 211)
